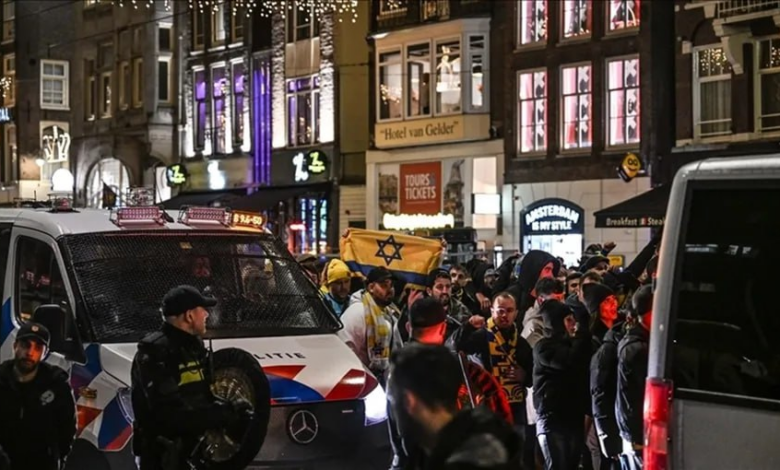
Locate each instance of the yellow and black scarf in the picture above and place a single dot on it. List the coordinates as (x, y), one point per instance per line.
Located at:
(502, 360)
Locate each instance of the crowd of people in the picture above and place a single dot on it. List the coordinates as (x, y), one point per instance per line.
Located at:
(528, 365)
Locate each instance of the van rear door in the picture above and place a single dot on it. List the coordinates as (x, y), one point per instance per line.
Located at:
(723, 344)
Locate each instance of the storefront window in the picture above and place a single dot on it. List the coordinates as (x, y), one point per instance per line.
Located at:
(390, 85)
(448, 78)
(303, 111)
(477, 51)
(313, 218)
(240, 109)
(111, 174)
(221, 88)
(418, 79)
(201, 116)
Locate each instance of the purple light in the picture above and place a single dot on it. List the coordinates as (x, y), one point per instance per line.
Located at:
(261, 115)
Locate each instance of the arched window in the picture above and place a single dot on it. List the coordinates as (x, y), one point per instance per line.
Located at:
(113, 174)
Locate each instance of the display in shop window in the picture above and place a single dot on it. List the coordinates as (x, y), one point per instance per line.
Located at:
(453, 193)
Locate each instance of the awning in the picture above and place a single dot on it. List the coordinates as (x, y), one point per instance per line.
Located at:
(204, 198)
(645, 210)
(268, 197)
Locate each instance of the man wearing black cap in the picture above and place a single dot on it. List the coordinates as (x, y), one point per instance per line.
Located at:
(37, 411)
(171, 380)
(369, 325)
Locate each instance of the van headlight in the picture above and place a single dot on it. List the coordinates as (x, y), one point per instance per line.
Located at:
(375, 404)
(124, 397)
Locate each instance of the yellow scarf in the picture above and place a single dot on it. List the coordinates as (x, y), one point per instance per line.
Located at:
(379, 332)
(502, 360)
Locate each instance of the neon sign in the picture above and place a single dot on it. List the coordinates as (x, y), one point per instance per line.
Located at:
(176, 174)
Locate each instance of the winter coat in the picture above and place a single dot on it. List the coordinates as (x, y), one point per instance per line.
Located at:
(603, 390)
(474, 440)
(560, 371)
(632, 373)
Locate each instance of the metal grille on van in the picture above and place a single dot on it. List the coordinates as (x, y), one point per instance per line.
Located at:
(122, 278)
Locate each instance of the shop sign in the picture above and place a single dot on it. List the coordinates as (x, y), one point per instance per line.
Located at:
(306, 164)
(417, 221)
(552, 216)
(247, 219)
(633, 222)
(420, 189)
(419, 131)
(629, 167)
(176, 174)
(55, 143)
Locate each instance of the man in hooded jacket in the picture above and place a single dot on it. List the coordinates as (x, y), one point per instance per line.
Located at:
(560, 366)
(535, 265)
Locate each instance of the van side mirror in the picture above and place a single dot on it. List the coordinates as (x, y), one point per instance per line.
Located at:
(65, 337)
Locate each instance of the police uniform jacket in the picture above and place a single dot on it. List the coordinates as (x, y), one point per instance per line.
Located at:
(37, 418)
(171, 396)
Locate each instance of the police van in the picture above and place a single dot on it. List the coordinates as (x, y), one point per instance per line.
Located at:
(104, 275)
(712, 397)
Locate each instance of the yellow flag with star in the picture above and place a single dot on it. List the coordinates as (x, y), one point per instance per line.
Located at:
(409, 258)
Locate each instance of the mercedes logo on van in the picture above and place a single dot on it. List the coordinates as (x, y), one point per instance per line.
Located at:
(303, 427)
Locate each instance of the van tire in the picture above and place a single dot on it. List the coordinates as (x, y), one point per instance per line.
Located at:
(236, 366)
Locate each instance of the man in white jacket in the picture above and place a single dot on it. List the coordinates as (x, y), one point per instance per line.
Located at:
(533, 325)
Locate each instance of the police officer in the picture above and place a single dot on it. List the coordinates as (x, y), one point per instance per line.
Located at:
(171, 379)
(37, 411)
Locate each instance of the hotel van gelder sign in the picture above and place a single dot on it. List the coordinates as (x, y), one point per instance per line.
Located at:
(431, 131)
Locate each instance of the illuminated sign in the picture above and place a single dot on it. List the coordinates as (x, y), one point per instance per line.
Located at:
(5, 115)
(176, 174)
(417, 221)
(55, 143)
(313, 163)
(297, 227)
(247, 219)
(552, 216)
(629, 167)
(316, 162)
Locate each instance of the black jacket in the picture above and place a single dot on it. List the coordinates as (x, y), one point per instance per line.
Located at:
(172, 401)
(475, 440)
(37, 419)
(603, 390)
(632, 373)
(560, 373)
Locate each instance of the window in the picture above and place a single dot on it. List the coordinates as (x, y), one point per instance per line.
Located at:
(138, 40)
(164, 38)
(392, 7)
(711, 93)
(532, 21)
(105, 95)
(576, 88)
(768, 86)
(418, 79)
(300, 25)
(532, 115)
(54, 84)
(9, 73)
(9, 17)
(220, 90)
(198, 28)
(448, 86)
(240, 106)
(623, 101)
(723, 322)
(390, 85)
(623, 14)
(90, 90)
(125, 83)
(138, 83)
(201, 111)
(236, 28)
(105, 56)
(218, 24)
(478, 60)
(577, 18)
(303, 113)
(164, 80)
(38, 278)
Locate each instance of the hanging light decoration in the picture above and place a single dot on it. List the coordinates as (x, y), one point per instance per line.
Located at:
(266, 8)
(5, 85)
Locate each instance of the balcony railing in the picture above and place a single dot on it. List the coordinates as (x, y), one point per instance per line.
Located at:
(732, 8)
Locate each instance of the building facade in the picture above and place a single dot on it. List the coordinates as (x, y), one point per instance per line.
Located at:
(433, 139)
(727, 63)
(37, 55)
(577, 83)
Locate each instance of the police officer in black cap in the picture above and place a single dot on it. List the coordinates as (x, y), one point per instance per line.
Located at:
(37, 411)
(171, 379)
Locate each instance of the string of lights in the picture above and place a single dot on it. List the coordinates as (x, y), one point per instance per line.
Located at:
(266, 8)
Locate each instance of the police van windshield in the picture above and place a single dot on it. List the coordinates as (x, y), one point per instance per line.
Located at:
(121, 279)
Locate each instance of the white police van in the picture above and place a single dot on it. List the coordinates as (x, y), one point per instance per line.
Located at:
(712, 398)
(109, 271)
